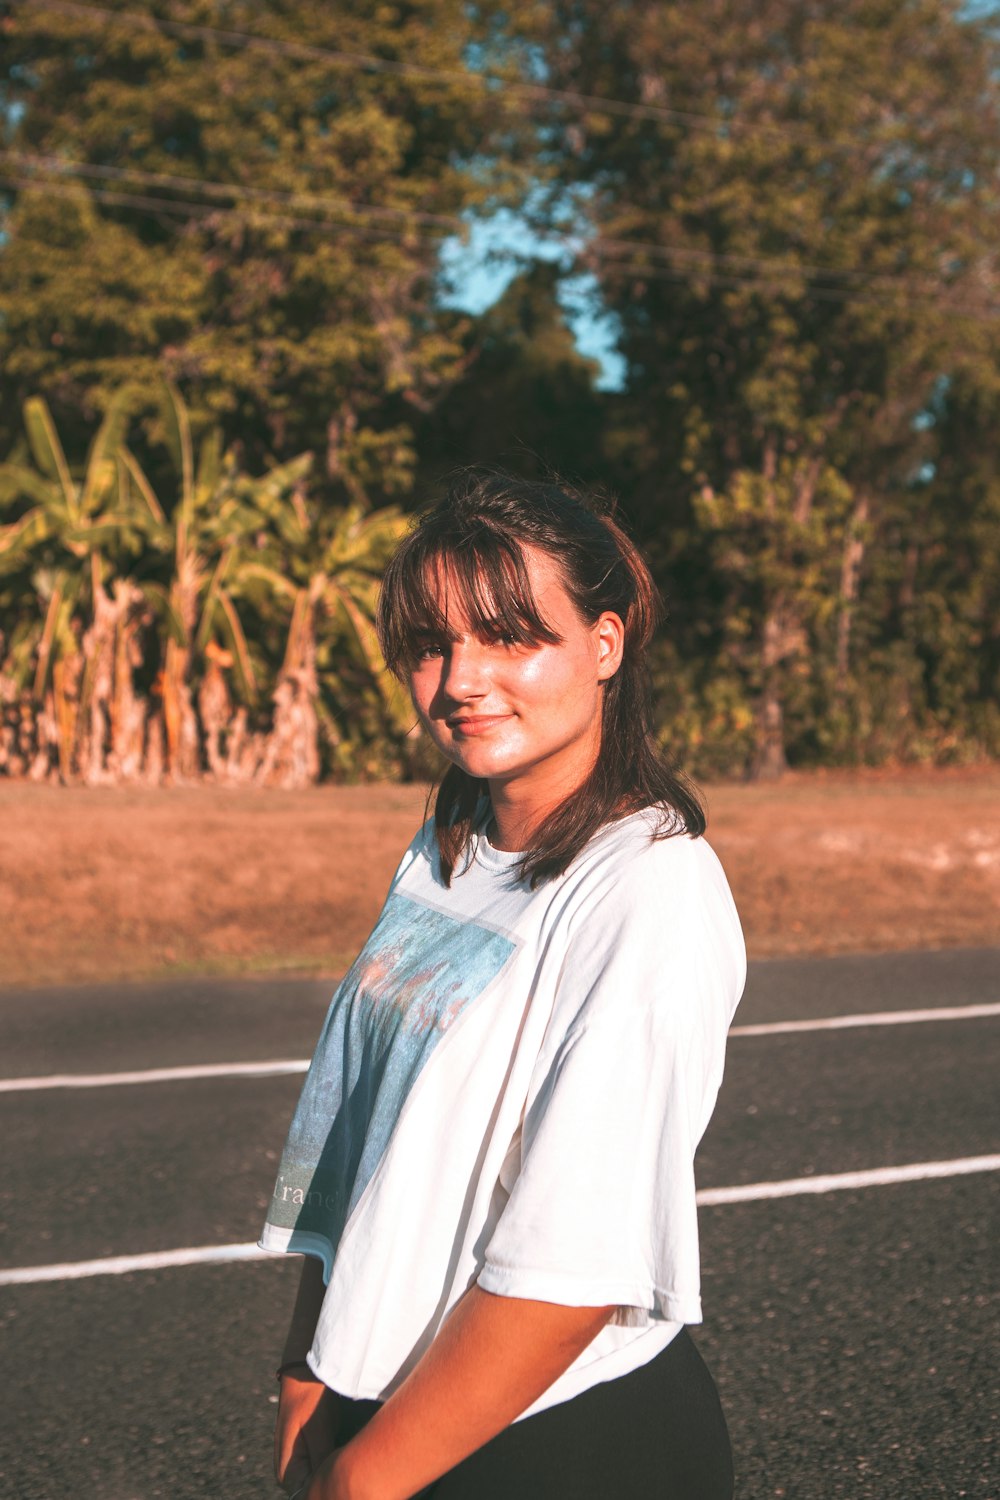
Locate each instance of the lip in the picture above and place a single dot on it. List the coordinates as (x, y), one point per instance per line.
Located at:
(472, 724)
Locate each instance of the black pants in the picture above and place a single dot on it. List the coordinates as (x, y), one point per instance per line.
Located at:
(657, 1433)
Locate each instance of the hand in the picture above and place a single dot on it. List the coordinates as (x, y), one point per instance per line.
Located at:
(333, 1480)
(491, 1359)
(306, 1429)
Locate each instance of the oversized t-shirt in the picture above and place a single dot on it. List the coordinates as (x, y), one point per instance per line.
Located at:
(508, 1089)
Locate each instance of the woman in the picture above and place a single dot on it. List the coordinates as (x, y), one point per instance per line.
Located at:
(490, 1169)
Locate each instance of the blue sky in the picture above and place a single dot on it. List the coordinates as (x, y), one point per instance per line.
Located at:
(480, 270)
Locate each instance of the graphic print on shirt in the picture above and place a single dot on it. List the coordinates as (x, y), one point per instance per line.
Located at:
(417, 973)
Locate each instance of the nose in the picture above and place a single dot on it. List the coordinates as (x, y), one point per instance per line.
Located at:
(466, 673)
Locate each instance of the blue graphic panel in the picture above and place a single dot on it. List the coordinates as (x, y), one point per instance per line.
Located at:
(418, 972)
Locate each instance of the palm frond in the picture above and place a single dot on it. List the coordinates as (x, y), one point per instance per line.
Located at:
(178, 429)
(142, 484)
(47, 450)
(210, 463)
(159, 600)
(101, 470)
(20, 483)
(275, 581)
(232, 629)
(18, 539)
(45, 641)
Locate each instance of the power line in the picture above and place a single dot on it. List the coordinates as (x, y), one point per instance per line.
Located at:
(154, 206)
(604, 248)
(600, 250)
(764, 282)
(66, 166)
(988, 312)
(363, 62)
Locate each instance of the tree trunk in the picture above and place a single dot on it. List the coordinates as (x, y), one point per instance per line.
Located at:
(114, 717)
(128, 710)
(180, 723)
(215, 709)
(8, 732)
(46, 743)
(782, 637)
(67, 674)
(179, 719)
(246, 751)
(99, 676)
(154, 760)
(293, 744)
(806, 490)
(769, 760)
(908, 586)
(850, 574)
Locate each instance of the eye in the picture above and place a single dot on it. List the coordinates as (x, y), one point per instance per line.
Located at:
(427, 650)
(498, 636)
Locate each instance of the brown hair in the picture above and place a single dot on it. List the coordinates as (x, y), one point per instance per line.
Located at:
(480, 529)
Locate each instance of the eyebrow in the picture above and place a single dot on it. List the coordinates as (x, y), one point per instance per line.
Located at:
(495, 625)
(491, 590)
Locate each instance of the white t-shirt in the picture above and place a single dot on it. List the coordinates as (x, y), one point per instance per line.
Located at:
(509, 1088)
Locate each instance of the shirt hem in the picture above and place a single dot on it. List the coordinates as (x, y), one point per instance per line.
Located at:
(638, 1303)
(298, 1242)
(613, 1365)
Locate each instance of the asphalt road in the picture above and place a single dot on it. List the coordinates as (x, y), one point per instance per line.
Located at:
(853, 1334)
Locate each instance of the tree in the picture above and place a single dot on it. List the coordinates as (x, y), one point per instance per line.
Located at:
(325, 568)
(814, 188)
(248, 212)
(527, 398)
(75, 540)
(945, 586)
(172, 636)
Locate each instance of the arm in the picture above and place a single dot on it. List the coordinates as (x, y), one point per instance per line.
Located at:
(493, 1357)
(305, 1430)
(305, 1313)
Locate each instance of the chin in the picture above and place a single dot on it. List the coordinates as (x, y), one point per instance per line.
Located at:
(483, 767)
(482, 761)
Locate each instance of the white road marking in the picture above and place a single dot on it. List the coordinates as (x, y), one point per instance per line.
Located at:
(119, 1265)
(837, 1182)
(153, 1075)
(275, 1067)
(871, 1018)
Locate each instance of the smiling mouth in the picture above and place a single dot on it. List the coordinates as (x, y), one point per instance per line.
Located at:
(475, 723)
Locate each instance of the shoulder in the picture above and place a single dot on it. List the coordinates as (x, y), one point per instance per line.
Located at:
(422, 851)
(639, 862)
(654, 941)
(653, 902)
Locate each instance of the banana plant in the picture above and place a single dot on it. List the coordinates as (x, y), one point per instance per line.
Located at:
(211, 533)
(327, 569)
(101, 557)
(62, 538)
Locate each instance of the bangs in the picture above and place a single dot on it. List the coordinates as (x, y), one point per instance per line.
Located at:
(480, 578)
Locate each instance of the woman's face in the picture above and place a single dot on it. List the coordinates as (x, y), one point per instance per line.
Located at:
(515, 714)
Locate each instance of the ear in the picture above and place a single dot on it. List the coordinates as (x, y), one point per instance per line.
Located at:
(610, 637)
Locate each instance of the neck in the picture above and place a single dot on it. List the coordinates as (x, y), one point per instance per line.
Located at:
(519, 809)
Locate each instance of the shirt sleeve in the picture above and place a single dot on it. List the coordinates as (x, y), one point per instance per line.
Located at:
(602, 1208)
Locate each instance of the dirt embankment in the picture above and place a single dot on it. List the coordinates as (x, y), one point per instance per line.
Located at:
(127, 883)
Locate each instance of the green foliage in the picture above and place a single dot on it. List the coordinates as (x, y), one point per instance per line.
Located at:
(527, 400)
(258, 223)
(228, 569)
(795, 230)
(817, 202)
